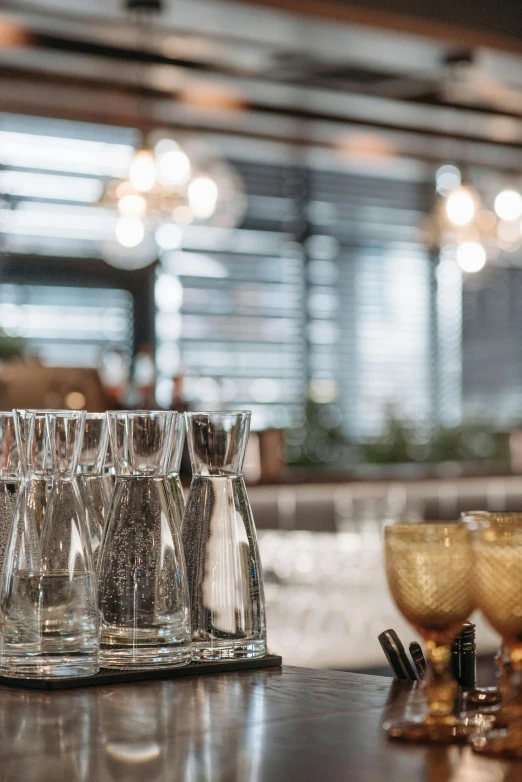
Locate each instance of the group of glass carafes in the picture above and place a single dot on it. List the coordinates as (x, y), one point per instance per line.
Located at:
(106, 567)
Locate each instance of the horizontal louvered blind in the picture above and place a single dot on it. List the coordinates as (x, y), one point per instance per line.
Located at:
(375, 339)
(492, 347)
(67, 326)
(240, 339)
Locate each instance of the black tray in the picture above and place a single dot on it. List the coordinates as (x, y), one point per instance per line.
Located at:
(106, 676)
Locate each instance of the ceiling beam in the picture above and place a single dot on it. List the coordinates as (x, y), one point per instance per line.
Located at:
(350, 140)
(403, 16)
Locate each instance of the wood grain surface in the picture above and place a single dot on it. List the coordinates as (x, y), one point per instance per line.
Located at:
(255, 726)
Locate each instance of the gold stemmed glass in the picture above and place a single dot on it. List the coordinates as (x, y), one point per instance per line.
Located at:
(428, 566)
(490, 697)
(497, 587)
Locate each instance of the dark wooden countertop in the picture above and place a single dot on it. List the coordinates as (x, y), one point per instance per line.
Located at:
(268, 725)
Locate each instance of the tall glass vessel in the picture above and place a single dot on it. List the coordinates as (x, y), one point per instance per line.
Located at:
(178, 441)
(10, 474)
(48, 611)
(144, 600)
(91, 483)
(220, 543)
(35, 462)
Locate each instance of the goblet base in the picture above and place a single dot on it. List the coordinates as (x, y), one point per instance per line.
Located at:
(483, 698)
(439, 730)
(505, 742)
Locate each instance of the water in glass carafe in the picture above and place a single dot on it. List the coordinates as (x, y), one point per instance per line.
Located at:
(144, 600)
(220, 543)
(91, 481)
(49, 619)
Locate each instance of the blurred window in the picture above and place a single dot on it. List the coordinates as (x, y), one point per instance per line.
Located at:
(324, 281)
(66, 326)
(369, 304)
(492, 348)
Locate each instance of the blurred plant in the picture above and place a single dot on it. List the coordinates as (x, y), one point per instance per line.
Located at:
(10, 347)
(403, 442)
(319, 441)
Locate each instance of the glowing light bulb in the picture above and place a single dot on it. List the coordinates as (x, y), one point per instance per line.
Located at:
(173, 167)
(168, 236)
(202, 196)
(130, 231)
(508, 205)
(471, 257)
(447, 179)
(142, 172)
(132, 205)
(461, 206)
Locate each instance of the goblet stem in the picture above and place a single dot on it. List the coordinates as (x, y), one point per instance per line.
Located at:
(505, 737)
(510, 711)
(504, 669)
(439, 685)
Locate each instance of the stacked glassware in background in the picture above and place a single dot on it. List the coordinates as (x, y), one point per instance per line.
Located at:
(130, 581)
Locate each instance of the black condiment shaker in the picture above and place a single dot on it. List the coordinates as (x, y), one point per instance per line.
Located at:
(464, 658)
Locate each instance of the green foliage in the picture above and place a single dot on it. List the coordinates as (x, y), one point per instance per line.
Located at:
(321, 442)
(402, 443)
(10, 347)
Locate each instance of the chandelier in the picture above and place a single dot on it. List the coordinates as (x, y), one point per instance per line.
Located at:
(462, 220)
(169, 184)
(167, 188)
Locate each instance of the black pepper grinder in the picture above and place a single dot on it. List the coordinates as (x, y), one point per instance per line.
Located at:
(464, 666)
(464, 657)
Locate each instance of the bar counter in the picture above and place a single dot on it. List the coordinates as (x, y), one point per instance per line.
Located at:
(272, 725)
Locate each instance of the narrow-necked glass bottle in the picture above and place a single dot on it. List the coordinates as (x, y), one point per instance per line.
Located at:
(144, 599)
(48, 604)
(10, 476)
(91, 481)
(220, 543)
(178, 441)
(35, 462)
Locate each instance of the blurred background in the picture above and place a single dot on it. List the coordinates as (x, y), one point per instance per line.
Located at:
(311, 210)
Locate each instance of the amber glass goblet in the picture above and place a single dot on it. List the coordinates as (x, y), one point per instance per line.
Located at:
(497, 587)
(490, 697)
(428, 566)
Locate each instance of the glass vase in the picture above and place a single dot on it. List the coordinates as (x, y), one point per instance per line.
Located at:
(220, 543)
(48, 608)
(143, 587)
(10, 475)
(91, 482)
(174, 482)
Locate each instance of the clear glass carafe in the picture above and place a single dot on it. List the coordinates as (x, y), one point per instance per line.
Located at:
(10, 475)
(48, 608)
(35, 463)
(144, 599)
(220, 543)
(178, 441)
(91, 482)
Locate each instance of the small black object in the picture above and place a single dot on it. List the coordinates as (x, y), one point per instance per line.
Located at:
(146, 6)
(464, 658)
(121, 677)
(396, 655)
(418, 658)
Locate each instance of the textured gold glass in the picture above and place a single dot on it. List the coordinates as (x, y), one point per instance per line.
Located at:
(488, 698)
(428, 566)
(497, 587)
